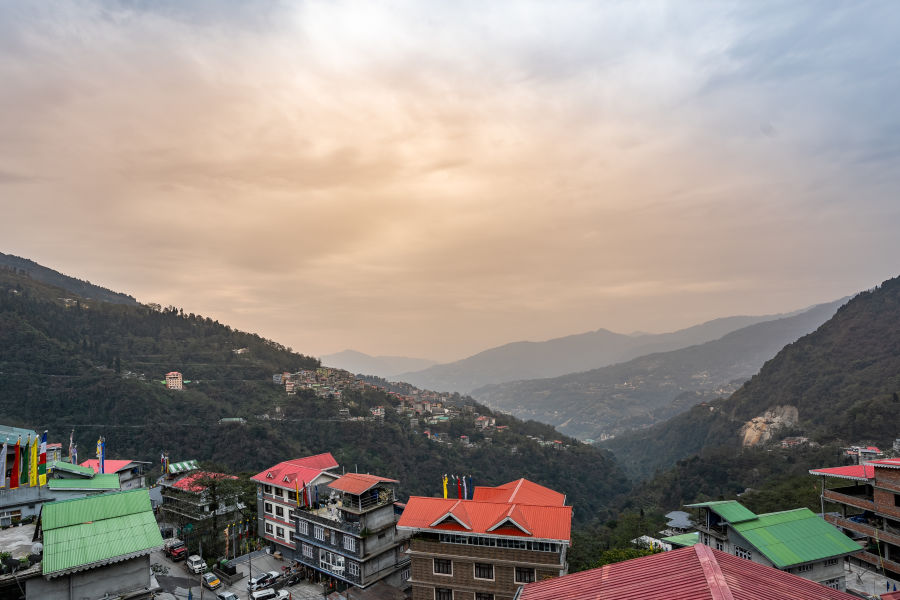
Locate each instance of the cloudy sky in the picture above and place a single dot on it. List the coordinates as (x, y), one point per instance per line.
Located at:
(432, 179)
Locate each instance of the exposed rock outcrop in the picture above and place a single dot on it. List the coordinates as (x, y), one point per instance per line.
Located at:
(759, 430)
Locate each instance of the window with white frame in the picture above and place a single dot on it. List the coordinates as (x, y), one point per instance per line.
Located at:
(484, 571)
(267, 489)
(279, 512)
(443, 594)
(743, 553)
(804, 568)
(303, 526)
(524, 575)
(268, 507)
(349, 543)
(320, 533)
(307, 551)
(269, 528)
(279, 532)
(443, 566)
(353, 568)
(404, 574)
(276, 492)
(834, 584)
(831, 562)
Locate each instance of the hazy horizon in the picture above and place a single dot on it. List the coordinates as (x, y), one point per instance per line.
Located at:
(430, 180)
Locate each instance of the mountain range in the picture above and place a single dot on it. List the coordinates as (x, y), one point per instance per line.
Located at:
(387, 367)
(569, 354)
(608, 401)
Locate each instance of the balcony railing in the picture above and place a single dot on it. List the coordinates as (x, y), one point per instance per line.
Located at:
(353, 527)
(857, 501)
(367, 501)
(863, 529)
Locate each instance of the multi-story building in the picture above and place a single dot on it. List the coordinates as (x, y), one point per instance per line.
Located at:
(868, 509)
(341, 527)
(174, 381)
(487, 547)
(796, 541)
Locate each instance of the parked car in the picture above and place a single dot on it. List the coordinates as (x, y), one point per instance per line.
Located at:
(211, 581)
(195, 564)
(270, 594)
(175, 549)
(226, 596)
(262, 581)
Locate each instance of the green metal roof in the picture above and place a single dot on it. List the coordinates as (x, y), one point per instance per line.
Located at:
(11, 434)
(106, 481)
(61, 465)
(730, 510)
(795, 537)
(685, 539)
(87, 532)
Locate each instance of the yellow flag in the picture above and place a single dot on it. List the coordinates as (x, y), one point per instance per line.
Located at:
(33, 464)
(445, 486)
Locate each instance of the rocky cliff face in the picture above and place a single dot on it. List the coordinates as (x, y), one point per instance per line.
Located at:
(759, 430)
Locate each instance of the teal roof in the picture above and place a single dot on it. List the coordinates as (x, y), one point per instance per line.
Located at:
(89, 532)
(11, 434)
(685, 539)
(730, 510)
(795, 537)
(106, 481)
(60, 465)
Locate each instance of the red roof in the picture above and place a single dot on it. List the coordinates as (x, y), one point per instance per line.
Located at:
(891, 463)
(694, 573)
(357, 483)
(284, 474)
(520, 491)
(109, 466)
(855, 472)
(488, 518)
(188, 482)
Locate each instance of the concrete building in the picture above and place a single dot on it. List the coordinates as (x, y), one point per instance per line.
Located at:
(130, 472)
(796, 541)
(23, 501)
(96, 547)
(486, 548)
(868, 509)
(174, 381)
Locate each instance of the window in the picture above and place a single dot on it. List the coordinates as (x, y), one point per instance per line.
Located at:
(720, 546)
(524, 575)
(834, 584)
(276, 492)
(307, 551)
(404, 574)
(268, 528)
(279, 512)
(443, 594)
(267, 489)
(320, 533)
(804, 568)
(484, 571)
(291, 535)
(742, 553)
(353, 568)
(831, 562)
(896, 499)
(443, 567)
(303, 526)
(483, 596)
(334, 538)
(290, 515)
(350, 543)
(292, 496)
(269, 507)
(279, 531)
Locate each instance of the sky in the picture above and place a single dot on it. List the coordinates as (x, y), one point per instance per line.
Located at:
(432, 179)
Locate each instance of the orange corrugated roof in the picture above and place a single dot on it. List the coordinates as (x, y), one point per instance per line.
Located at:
(520, 491)
(694, 573)
(546, 522)
(304, 470)
(357, 483)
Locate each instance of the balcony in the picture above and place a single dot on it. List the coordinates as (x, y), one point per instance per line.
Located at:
(858, 500)
(863, 529)
(873, 559)
(368, 501)
(323, 516)
(719, 532)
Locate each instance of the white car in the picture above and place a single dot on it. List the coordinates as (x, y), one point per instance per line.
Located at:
(195, 564)
(262, 581)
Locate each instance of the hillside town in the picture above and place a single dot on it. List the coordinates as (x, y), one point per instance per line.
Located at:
(308, 526)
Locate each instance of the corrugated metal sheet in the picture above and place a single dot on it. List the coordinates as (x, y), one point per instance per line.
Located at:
(109, 466)
(520, 491)
(730, 510)
(794, 537)
(685, 539)
(357, 483)
(11, 434)
(98, 529)
(108, 481)
(695, 573)
(303, 469)
(854, 472)
(59, 465)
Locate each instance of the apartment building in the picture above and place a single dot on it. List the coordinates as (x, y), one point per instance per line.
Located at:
(487, 547)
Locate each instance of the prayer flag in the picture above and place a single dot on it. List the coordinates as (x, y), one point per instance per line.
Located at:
(23, 467)
(3, 466)
(42, 461)
(465, 488)
(101, 451)
(14, 477)
(297, 487)
(33, 464)
(72, 447)
(445, 486)
(317, 495)
(458, 488)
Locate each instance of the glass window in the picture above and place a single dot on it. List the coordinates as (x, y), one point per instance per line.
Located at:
(443, 594)
(350, 543)
(484, 571)
(268, 506)
(279, 511)
(320, 533)
(279, 531)
(303, 526)
(267, 489)
(307, 551)
(353, 568)
(443, 566)
(483, 596)
(524, 575)
(268, 528)
(742, 553)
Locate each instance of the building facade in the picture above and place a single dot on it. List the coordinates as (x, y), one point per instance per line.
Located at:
(486, 548)
(867, 508)
(795, 541)
(174, 381)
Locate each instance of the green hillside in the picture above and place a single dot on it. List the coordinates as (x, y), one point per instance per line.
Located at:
(98, 368)
(843, 380)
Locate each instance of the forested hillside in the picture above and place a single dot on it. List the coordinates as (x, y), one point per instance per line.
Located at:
(98, 368)
(843, 379)
(82, 288)
(651, 388)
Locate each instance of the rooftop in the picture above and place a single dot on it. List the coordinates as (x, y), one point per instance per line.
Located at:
(192, 482)
(357, 483)
(106, 481)
(85, 533)
(863, 472)
(730, 510)
(300, 470)
(694, 573)
(109, 465)
(685, 539)
(61, 465)
(520, 491)
(11, 434)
